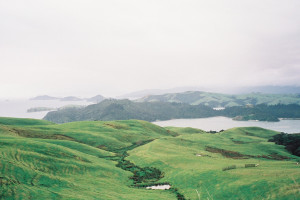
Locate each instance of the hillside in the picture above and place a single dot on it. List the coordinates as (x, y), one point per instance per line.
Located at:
(223, 100)
(95, 99)
(71, 161)
(112, 109)
(267, 89)
(44, 97)
(115, 159)
(262, 112)
(222, 165)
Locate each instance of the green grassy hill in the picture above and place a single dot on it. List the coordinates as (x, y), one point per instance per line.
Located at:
(41, 160)
(194, 163)
(223, 100)
(112, 159)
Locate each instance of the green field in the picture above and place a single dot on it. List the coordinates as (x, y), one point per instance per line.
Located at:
(113, 159)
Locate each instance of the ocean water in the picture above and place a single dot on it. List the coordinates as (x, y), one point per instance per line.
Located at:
(18, 107)
(219, 123)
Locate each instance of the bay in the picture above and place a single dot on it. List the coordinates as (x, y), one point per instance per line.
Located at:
(18, 107)
(219, 123)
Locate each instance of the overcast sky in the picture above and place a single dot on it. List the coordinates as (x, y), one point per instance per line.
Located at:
(109, 47)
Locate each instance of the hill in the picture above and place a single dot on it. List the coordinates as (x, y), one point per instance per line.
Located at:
(94, 99)
(44, 97)
(223, 100)
(71, 161)
(234, 164)
(71, 98)
(262, 112)
(267, 89)
(116, 159)
(112, 109)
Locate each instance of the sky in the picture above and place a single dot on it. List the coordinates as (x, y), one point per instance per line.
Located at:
(84, 48)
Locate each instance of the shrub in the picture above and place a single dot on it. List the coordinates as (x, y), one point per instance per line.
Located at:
(229, 167)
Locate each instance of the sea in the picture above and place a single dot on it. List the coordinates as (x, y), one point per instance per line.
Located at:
(223, 123)
(18, 108)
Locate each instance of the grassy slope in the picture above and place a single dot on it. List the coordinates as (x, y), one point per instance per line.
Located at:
(41, 160)
(22, 122)
(273, 179)
(62, 161)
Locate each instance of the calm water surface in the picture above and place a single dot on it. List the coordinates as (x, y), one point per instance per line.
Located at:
(219, 123)
(18, 107)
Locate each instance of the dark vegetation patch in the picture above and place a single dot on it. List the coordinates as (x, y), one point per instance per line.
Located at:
(141, 174)
(35, 134)
(178, 194)
(4, 181)
(237, 155)
(273, 156)
(249, 134)
(250, 165)
(290, 141)
(172, 133)
(238, 142)
(226, 153)
(213, 132)
(116, 126)
(229, 167)
(103, 147)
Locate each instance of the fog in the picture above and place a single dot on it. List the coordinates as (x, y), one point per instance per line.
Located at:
(114, 47)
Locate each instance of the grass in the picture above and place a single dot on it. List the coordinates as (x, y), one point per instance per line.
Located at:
(32, 166)
(22, 122)
(105, 159)
(272, 179)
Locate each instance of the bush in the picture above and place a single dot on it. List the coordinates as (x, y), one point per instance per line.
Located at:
(229, 167)
(250, 165)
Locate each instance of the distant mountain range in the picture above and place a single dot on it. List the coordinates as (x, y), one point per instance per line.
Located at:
(44, 97)
(271, 89)
(237, 90)
(143, 93)
(95, 99)
(223, 100)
